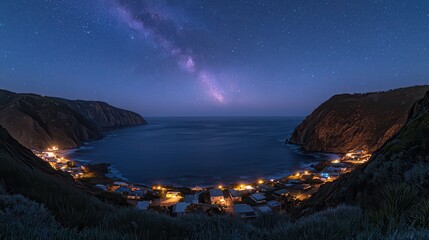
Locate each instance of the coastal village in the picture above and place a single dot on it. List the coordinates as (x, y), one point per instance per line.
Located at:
(242, 200)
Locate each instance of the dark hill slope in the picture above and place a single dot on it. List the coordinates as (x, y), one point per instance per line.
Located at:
(103, 115)
(38, 122)
(359, 121)
(21, 172)
(403, 159)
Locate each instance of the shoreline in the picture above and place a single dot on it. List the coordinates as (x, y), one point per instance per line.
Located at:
(272, 194)
(117, 175)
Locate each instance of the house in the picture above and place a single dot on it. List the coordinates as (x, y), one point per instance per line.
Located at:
(294, 181)
(191, 199)
(122, 190)
(101, 186)
(258, 197)
(265, 188)
(171, 194)
(136, 194)
(216, 196)
(143, 205)
(180, 208)
(264, 209)
(302, 186)
(235, 195)
(122, 184)
(281, 192)
(244, 211)
(274, 205)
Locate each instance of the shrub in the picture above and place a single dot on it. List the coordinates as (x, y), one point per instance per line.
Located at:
(24, 219)
(395, 206)
(220, 227)
(145, 224)
(339, 223)
(420, 214)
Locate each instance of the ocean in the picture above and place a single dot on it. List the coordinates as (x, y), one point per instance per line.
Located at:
(201, 151)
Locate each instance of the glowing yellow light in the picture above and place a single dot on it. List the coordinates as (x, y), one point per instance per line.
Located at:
(248, 187)
(220, 186)
(297, 174)
(336, 161)
(306, 172)
(53, 148)
(261, 181)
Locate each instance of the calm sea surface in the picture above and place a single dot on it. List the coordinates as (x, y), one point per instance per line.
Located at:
(200, 151)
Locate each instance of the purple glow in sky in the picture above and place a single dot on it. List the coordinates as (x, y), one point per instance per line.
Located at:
(151, 23)
(212, 57)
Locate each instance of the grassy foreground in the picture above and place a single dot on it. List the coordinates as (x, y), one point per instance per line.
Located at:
(399, 217)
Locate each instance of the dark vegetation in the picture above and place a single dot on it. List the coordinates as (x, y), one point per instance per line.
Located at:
(21, 218)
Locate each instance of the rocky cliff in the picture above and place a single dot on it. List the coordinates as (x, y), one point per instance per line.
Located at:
(38, 122)
(104, 115)
(359, 121)
(403, 159)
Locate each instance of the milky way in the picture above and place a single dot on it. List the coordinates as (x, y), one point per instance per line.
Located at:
(212, 57)
(154, 25)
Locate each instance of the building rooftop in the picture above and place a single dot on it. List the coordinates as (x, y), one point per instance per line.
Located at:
(124, 184)
(244, 211)
(216, 193)
(281, 192)
(264, 209)
(234, 193)
(258, 197)
(180, 207)
(273, 203)
(243, 208)
(138, 193)
(143, 205)
(122, 190)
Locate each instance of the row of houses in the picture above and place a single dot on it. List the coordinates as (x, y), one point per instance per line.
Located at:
(246, 202)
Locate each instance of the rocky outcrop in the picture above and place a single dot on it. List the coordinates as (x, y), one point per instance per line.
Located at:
(403, 159)
(359, 121)
(104, 115)
(38, 122)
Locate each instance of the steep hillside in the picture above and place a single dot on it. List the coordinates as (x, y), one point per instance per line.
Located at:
(38, 122)
(104, 115)
(403, 159)
(359, 121)
(21, 172)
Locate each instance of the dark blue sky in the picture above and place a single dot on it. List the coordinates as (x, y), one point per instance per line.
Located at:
(193, 57)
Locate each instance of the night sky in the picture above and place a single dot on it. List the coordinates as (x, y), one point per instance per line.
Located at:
(204, 58)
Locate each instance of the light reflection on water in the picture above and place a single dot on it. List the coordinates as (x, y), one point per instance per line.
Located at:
(200, 151)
